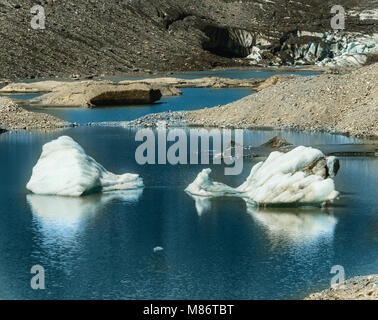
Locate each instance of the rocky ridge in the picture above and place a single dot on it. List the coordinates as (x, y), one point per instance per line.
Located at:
(107, 37)
(345, 103)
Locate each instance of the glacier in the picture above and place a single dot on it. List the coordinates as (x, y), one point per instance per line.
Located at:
(300, 176)
(65, 169)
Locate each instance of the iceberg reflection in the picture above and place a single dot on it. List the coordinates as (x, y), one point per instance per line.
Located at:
(203, 204)
(60, 223)
(67, 214)
(301, 224)
(294, 224)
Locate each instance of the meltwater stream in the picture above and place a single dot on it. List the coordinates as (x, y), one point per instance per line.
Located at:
(103, 246)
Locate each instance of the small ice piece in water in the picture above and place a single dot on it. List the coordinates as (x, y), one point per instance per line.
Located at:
(333, 166)
(157, 249)
(65, 169)
(293, 177)
(204, 186)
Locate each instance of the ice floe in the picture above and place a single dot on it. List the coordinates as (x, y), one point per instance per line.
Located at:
(65, 169)
(300, 176)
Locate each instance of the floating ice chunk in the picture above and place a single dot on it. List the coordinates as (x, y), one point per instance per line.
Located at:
(298, 176)
(204, 186)
(333, 166)
(65, 169)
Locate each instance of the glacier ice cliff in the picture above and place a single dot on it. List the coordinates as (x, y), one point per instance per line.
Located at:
(65, 169)
(300, 176)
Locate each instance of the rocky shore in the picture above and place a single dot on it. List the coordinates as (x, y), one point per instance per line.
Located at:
(92, 93)
(338, 103)
(356, 288)
(14, 117)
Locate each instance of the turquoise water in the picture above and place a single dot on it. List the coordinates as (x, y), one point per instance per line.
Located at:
(102, 247)
(191, 99)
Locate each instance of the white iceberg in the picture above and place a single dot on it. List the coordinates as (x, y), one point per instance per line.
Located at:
(65, 169)
(298, 176)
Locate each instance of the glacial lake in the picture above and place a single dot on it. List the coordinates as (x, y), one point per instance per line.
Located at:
(191, 98)
(102, 247)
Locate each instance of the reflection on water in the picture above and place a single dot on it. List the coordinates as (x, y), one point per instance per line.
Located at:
(203, 204)
(230, 252)
(71, 212)
(296, 225)
(60, 222)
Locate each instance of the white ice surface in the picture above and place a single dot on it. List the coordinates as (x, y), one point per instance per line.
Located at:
(65, 169)
(276, 180)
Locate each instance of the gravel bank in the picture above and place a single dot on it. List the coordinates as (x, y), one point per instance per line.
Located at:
(14, 117)
(357, 288)
(346, 103)
(171, 119)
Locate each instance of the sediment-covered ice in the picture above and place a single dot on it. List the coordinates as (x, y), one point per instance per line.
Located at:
(298, 176)
(65, 169)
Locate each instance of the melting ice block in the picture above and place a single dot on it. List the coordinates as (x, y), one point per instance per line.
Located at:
(65, 169)
(298, 176)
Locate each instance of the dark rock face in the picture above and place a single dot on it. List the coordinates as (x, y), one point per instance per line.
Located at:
(276, 143)
(115, 37)
(2, 131)
(126, 97)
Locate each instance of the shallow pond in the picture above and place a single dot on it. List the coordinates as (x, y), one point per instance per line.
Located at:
(103, 247)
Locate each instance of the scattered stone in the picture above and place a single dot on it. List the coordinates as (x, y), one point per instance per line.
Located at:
(206, 82)
(14, 117)
(357, 288)
(324, 102)
(276, 143)
(273, 80)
